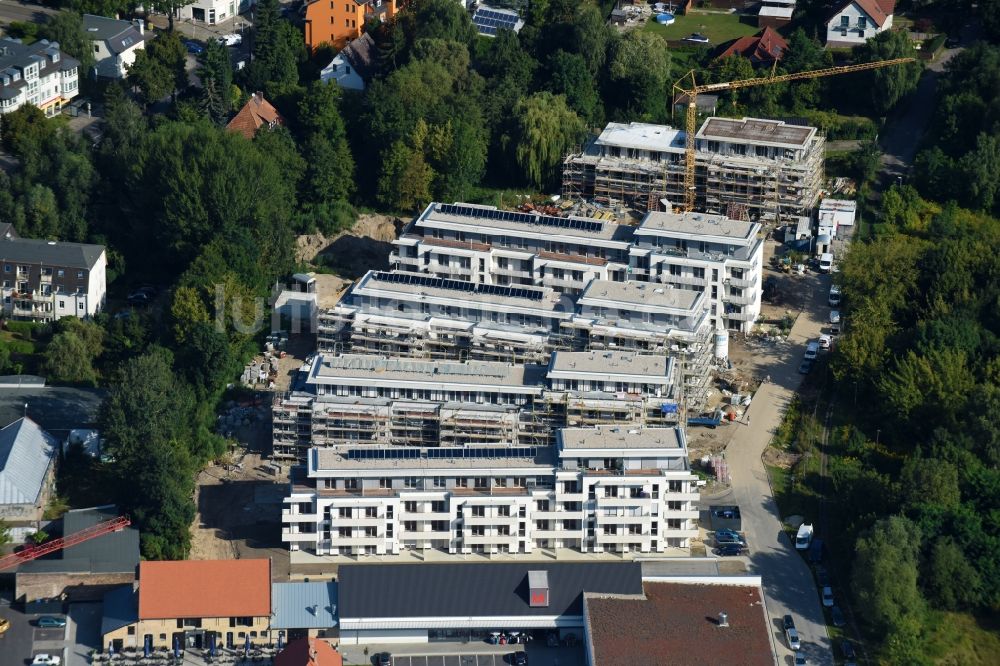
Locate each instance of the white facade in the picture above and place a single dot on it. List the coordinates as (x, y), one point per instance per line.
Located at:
(115, 44)
(38, 74)
(853, 25)
(213, 12)
(341, 72)
(604, 489)
(45, 280)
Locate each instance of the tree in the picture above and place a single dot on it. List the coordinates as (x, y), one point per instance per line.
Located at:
(638, 72)
(73, 350)
(276, 48)
(884, 574)
(406, 180)
(953, 581)
(568, 75)
(159, 68)
(441, 19)
(888, 85)
(545, 130)
(329, 174)
(216, 74)
(66, 27)
(170, 7)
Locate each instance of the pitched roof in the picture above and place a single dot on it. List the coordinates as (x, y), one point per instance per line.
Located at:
(119, 35)
(204, 588)
(303, 605)
(676, 625)
(878, 10)
(117, 552)
(256, 113)
(308, 652)
(26, 452)
(360, 53)
(121, 608)
(369, 591)
(50, 253)
(766, 46)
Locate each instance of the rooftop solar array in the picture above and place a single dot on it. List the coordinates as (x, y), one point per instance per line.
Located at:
(489, 21)
(459, 285)
(522, 218)
(451, 452)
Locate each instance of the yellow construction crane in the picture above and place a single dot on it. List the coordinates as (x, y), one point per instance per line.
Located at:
(692, 96)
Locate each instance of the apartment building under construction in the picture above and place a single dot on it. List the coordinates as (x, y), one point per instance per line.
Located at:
(743, 167)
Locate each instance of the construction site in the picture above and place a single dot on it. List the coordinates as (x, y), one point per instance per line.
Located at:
(746, 169)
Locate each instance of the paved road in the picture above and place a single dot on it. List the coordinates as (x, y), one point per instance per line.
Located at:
(787, 581)
(11, 10)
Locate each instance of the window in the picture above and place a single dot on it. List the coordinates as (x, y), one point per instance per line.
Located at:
(385, 483)
(6, 268)
(862, 23)
(79, 275)
(62, 304)
(60, 273)
(371, 512)
(131, 630)
(845, 21)
(97, 48)
(410, 507)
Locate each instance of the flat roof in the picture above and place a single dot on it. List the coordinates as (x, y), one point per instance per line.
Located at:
(322, 459)
(621, 437)
(642, 293)
(481, 590)
(838, 205)
(757, 131)
(699, 224)
(611, 363)
(303, 605)
(676, 624)
(330, 369)
(642, 136)
(117, 552)
(777, 12)
(492, 218)
(204, 588)
(420, 284)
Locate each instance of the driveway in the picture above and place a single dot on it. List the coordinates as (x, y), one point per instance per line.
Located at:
(787, 581)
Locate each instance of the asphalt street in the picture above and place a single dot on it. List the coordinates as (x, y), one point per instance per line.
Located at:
(787, 580)
(11, 10)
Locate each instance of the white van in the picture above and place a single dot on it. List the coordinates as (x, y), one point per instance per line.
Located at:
(825, 262)
(812, 351)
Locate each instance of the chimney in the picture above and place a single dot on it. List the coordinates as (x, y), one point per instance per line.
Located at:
(723, 619)
(140, 26)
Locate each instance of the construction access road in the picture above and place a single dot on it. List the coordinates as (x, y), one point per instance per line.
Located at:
(788, 583)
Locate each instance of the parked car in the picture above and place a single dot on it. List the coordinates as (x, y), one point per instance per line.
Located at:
(4, 625)
(800, 659)
(787, 623)
(696, 38)
(812, 351)
(194, 47)
(520, 658)
(847, 649)
(384, 659)
(730, 538)
(792, 636)
(826, 262)
(231, 39)
(727, 532)
(46, 660)
(805, 367)
(51, 622)
(822, 577)
(834, 298)
(731, 550)
(952, 43)
(825, 341)
(827, 596)
(834, 316)
(837, 616)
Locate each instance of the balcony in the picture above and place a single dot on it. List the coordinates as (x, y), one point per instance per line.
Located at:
(512, 272)
(357, 521)
(343, 542)
(555, 515)
(688, 514)
(737, 300)
(289, 535)
(741, 316)
(623, 538)
(682, 279)
(487, 540)
(623, 501)
(557, 534)
(418, 535)
(490, 520)
(624, 520)
(739, 283)
(429, 515)
(290, 516)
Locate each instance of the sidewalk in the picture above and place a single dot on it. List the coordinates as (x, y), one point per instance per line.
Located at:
(202, 31)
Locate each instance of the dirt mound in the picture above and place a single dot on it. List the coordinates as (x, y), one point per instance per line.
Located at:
(351, 253)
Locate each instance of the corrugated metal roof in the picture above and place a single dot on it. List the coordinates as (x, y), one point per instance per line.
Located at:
(26, 452)
(121, 608)
(303, 605)
(476, 590)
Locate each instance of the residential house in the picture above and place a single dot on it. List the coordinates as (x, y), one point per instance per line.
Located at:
(87, 570)
(46, 280)
(38, 74)
(338, 22)
(308, 652)
(254, 115)
(352, 68)
(857, 21)
(764, 48)
(115, 44)
(193, 603)
(213, 12)
(27, 471)
(488, 21)
(303, 610)
(775, 13)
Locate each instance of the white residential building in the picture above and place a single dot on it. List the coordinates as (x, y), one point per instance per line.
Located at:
(351, 69)
(857, 21)
(691, 251)
(38, 74)
(604, 489)
(115, 44)
(213, 12)
(358, 399)
(46, 280)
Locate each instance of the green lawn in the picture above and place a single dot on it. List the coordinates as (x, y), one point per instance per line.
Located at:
(960, 638)
(719, 28)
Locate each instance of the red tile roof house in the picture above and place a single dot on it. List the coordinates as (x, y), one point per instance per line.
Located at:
(857, 21)
(194, 603)
(677, 623)
(764, 48)
(308, 652)
(256, 113)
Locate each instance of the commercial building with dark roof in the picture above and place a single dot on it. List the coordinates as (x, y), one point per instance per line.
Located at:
(680, 622)
(85, 571)
(44, 280)
(392, 603)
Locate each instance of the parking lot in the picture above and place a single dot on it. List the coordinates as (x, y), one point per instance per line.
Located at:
(453, 660)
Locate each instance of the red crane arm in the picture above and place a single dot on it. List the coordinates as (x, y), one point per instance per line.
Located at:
(34, 552)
